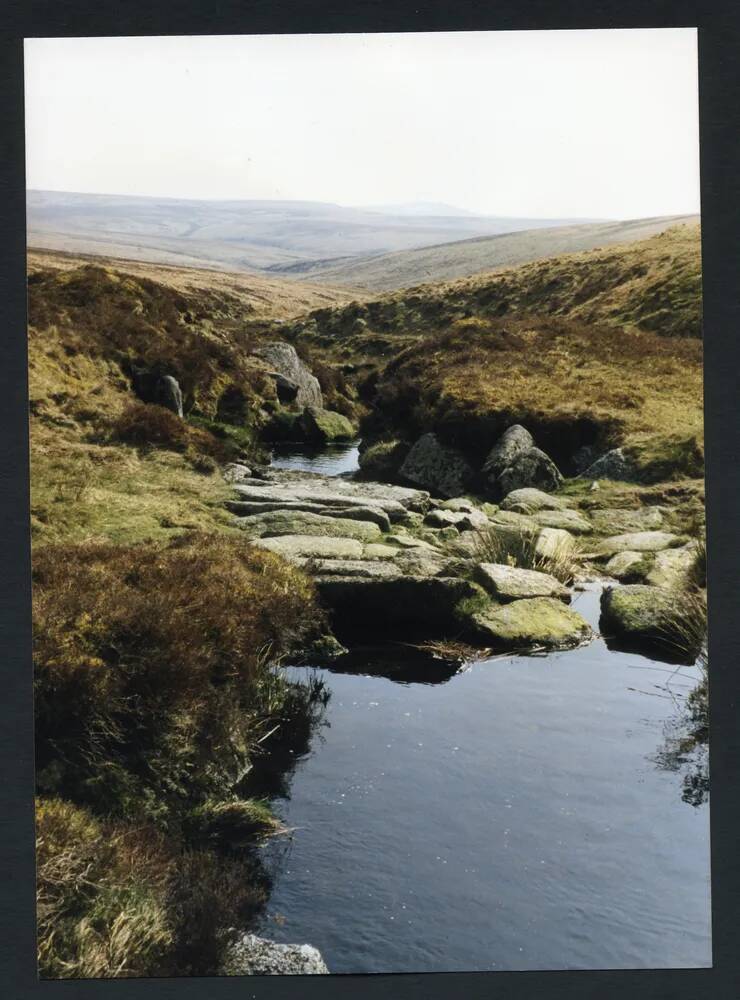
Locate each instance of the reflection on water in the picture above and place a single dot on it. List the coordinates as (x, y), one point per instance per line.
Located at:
(328, 460)
(509, 816)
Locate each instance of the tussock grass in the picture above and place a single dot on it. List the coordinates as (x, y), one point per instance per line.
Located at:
(151, 686)
(512, 548)
(120, 900)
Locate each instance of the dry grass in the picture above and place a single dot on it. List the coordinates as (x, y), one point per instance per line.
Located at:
(151, 681)
(257, 295)
(116, 900)
(568, 383)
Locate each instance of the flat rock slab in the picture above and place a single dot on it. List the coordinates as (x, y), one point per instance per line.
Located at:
(510, 583)
(246, 508)
(535, 622)
(295, 547)
(613, 521)
(650, 620)
(529, 500)
(372, 569)
(287, 484)
(377, 550)
(638, 541)
(444, 518)
(280, 522)
(568, 520)
(409, 542)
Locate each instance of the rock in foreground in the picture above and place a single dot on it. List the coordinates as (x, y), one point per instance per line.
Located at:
(534, 622)
(256, 956)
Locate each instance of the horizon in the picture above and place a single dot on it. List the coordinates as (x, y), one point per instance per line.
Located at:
(595, 125)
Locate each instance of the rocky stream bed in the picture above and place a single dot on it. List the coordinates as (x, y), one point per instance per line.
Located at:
(398, 568)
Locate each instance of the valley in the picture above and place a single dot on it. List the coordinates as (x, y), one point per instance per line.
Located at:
(336, 549)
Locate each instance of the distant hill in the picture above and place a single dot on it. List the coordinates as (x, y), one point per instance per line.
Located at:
(446, 261)
(253, 295)
(246, 235)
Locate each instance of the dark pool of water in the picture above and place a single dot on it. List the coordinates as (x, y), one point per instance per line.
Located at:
(517, 815)
(329, 460)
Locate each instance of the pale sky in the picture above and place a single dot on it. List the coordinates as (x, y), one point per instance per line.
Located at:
(539, 123)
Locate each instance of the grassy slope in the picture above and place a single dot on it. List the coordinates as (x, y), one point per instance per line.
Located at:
(609, 337)
(448, 261)
(87, 326)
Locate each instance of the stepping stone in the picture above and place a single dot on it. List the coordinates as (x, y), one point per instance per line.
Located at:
(639, 541)
(510, 583)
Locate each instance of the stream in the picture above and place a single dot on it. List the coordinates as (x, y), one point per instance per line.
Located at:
(526, 812)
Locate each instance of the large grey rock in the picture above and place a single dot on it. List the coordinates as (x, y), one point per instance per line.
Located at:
(515, 462)
(613, 465)
(651, 620)
(532, 622)
(437, 467)
(515, 441)
(638, 541)
(286, 522)
(510, 583)
(529, 500)
(616, 521)
(235, 472)
(569, 520)
(284, 361)
(256, 956)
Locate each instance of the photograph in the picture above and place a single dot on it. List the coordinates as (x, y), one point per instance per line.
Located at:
(367, 503)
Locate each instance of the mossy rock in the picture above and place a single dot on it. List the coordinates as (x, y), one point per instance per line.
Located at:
(532, 622)
(321, 426)
(383, 459)
(653, 620)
